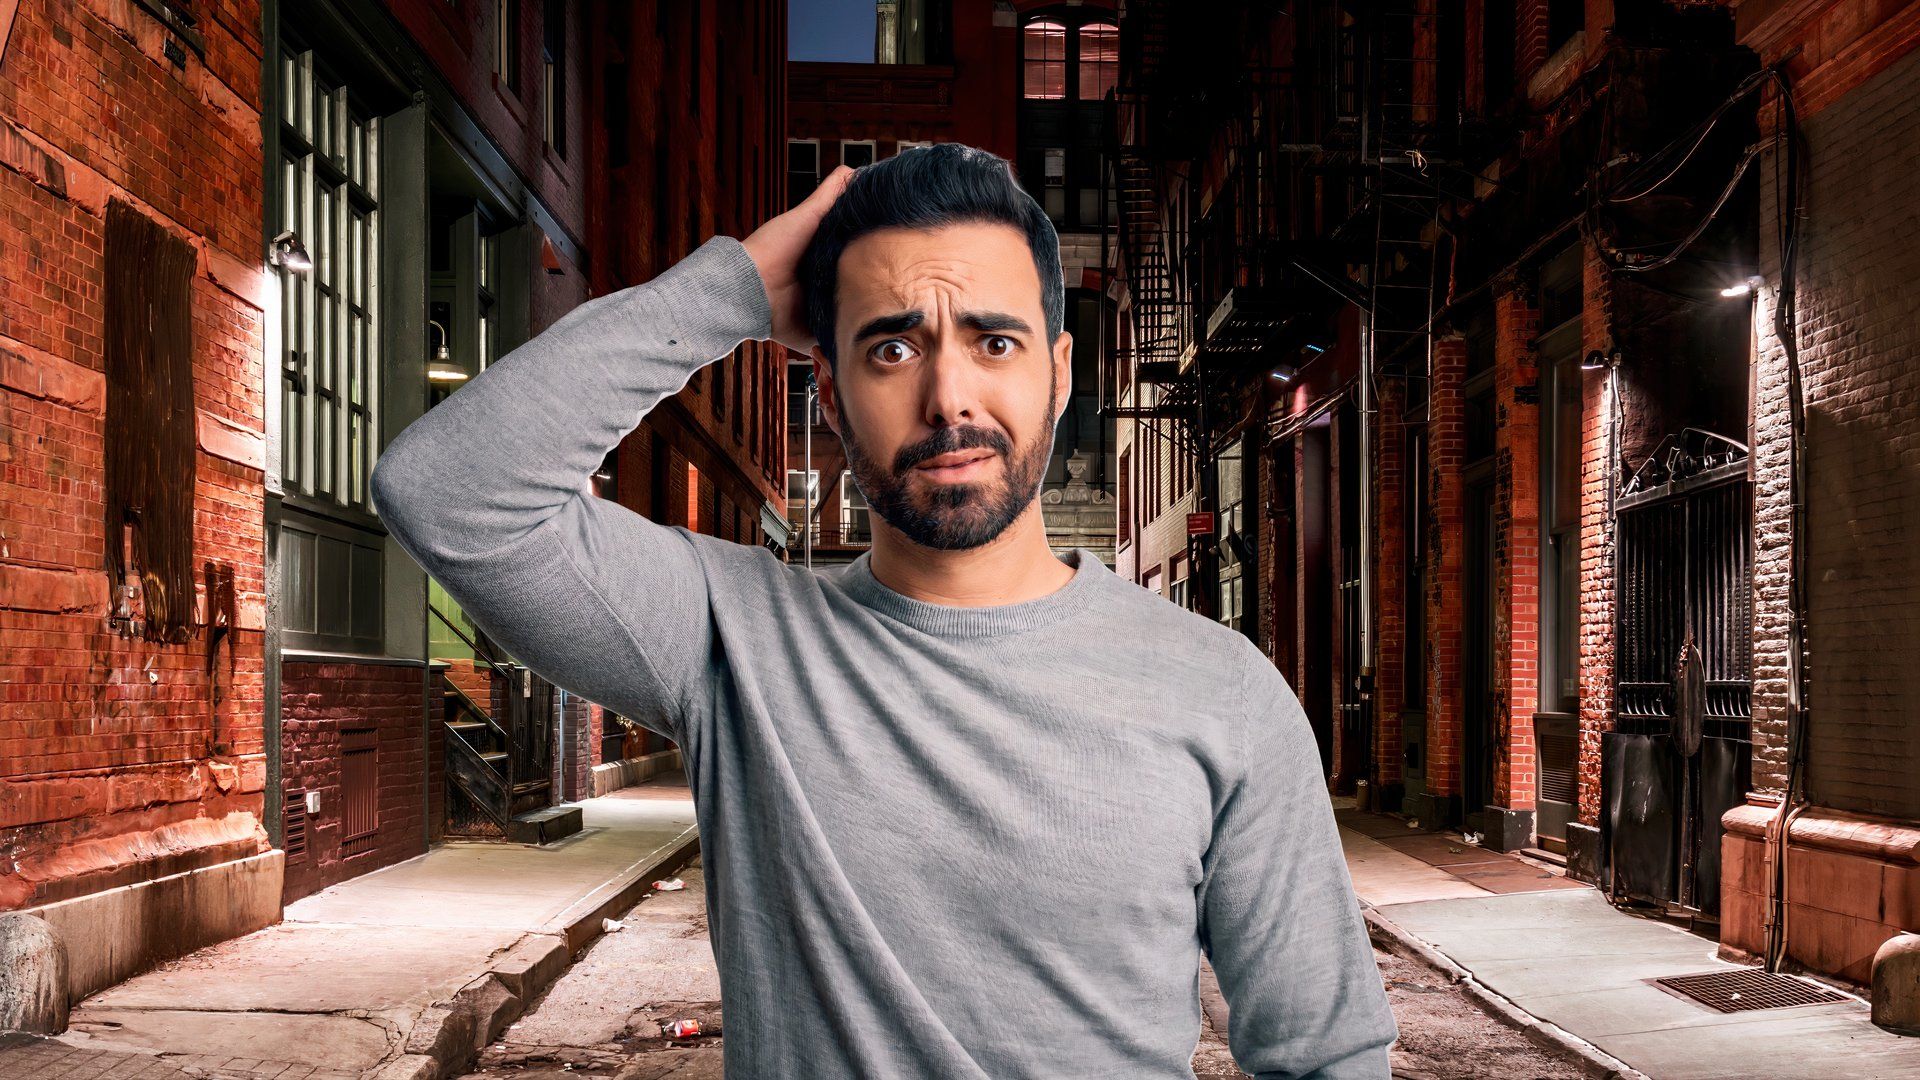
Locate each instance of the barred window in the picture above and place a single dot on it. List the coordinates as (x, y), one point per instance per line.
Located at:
(329, 166)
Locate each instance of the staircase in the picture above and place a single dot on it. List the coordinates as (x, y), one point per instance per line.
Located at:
(499, 756)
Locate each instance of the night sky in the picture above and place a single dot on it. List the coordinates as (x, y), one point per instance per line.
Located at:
(830, 30)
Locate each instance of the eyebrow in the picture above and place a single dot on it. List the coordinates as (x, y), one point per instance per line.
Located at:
(985, 322)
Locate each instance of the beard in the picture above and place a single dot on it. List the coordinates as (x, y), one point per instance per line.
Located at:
(953, 516)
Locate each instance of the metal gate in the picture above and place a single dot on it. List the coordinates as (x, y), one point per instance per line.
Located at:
(1680, 751)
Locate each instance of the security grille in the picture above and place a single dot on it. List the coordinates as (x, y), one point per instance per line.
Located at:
(295, 818)
(1747, 989)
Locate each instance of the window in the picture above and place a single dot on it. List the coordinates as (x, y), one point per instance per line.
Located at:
(506, 44)
(1046, 60)
(329, 401)
(803, 169)
(855, 526)
(1099, 60)
(1229, 478)
(554, 77)
(1177, 585)
(803, 494)
(1054, 182)
(1560, 691)
(905, 145)
(856, 154)
(1068, 67)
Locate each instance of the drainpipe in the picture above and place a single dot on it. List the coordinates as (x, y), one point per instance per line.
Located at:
(1365, 549)
(806, 478)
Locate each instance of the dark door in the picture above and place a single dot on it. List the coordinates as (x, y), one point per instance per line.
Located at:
(1680, 753)
(1478, 737)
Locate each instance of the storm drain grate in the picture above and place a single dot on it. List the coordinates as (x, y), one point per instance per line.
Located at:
(1746, 989)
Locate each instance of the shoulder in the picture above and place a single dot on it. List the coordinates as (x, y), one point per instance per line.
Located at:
(1183, 635)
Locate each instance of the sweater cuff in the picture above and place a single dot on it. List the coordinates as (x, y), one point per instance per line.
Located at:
(712, 300)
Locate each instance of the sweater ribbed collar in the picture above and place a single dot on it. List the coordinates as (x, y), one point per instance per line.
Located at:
(955, 621)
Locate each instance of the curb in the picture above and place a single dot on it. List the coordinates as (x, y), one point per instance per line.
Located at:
(1544, 1033)
(448, 1036)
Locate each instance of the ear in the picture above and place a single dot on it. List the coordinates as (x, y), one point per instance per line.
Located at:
(1063, 372)
(823, 377)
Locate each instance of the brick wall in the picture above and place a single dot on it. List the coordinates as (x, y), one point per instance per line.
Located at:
(1445, 599)
(321, 702)
(1516, 551)
(1596, 541)
(120, 758)
(459, 42)
(1860, 354)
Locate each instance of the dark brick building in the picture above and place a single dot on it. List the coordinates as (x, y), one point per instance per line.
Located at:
(1472, 356)
(1448, 371)
(1851, 879)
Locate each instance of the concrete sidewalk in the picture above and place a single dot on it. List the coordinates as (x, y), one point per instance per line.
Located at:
(1559, 953)
(405, 972)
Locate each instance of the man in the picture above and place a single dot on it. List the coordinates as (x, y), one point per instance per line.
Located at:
(968, 809)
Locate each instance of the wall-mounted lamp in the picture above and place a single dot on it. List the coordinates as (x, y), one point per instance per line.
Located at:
(442, 368)
(287, 250)
(1600, 361)
(1742, 288)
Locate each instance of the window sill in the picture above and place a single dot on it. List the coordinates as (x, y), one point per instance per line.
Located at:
(510, 99)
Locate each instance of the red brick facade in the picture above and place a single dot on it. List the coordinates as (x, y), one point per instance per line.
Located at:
(124, 759)
(1516, 552)
(330, 711)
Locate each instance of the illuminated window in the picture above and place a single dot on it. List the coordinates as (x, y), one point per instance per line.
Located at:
(329, 164)
(1046, 60)
(1099, 60)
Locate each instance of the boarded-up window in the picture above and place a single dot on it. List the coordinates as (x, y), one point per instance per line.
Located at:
(150, 417)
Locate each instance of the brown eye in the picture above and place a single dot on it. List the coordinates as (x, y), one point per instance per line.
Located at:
(880, 351)
(1005, 342)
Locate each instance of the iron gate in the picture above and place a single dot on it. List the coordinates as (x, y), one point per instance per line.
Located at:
(1680, 751)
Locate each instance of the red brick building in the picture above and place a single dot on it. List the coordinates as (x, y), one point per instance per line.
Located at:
(244, 247)
(1028, 81)
(132, 570)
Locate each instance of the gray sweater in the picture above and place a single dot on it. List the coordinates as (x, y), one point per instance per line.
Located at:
(941, 842)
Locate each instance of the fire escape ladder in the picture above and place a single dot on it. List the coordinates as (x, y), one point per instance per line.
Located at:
(1401, 143)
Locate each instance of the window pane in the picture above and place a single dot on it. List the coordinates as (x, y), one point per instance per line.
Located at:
(1046, 60)
(1099, 59)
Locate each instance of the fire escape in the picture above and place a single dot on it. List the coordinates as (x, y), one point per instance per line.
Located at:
(1211, 290)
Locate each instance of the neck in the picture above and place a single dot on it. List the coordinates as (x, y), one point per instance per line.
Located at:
(1017, 565)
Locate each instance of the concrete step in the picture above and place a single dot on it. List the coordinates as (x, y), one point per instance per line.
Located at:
(545, 825)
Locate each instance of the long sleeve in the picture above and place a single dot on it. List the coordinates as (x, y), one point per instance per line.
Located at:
(490, 491)
(1278, 915)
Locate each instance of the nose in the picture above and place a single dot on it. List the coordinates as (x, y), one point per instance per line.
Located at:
(952, 388)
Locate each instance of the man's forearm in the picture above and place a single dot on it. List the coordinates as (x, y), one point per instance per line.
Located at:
(507, 450)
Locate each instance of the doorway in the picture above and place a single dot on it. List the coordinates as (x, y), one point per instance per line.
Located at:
(1478, 728)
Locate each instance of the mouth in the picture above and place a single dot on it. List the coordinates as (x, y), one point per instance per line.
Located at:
(955, 465)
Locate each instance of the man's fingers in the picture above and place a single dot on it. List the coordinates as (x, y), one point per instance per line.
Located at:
(831, 187)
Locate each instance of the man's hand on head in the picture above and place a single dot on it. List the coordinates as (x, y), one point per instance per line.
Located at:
(776, 248)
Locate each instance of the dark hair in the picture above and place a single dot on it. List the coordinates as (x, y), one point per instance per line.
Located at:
(925, 188)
